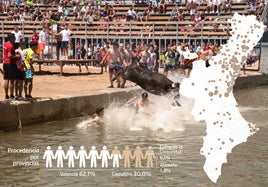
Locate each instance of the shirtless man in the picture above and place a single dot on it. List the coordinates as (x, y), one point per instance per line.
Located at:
(143, 103)
(97, 119)
(128, 56)
(144, 57)
(115, 58)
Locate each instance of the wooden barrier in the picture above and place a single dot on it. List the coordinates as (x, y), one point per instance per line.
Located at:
(61, 63)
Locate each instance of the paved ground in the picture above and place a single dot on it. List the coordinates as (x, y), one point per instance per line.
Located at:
(49, 83)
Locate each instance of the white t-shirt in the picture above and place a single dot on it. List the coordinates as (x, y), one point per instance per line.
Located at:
(21, 60)
(130, 12)
(65, 35)
(18, 36)
(42, 37)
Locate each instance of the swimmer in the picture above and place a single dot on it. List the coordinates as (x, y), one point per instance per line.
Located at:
(143, 103)
(97, 119)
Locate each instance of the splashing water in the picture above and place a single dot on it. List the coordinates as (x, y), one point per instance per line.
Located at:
(162, 115)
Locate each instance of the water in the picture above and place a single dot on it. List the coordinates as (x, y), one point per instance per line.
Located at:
(246, 167)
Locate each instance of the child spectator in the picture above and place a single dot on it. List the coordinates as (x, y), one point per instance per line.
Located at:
(29, 55)
(35, 36)
(20, 75)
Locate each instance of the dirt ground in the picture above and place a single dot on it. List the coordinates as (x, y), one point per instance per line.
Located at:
(49, 84)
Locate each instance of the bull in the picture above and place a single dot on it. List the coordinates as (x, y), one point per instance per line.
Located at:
(153, 82)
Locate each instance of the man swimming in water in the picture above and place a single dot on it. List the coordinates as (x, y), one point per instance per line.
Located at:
(143, 103)
(97, 119)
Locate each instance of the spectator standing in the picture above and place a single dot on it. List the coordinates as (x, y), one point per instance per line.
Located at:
(152, 58)
(18, 37)
(144, 57)
(35, 36)
(65, 34)
(156, 50)
(9, 66)
(170, 60)
(42, 42)
(29, 70)
(115, 57)
(20, 76)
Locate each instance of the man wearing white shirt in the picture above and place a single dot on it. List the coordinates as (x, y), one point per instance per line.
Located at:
(18, 37)
(131, 14)
(42, 42)
(65, 34)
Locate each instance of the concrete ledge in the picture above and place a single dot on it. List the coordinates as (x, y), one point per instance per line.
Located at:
(29, 113)
(12, 114)
(251, 81)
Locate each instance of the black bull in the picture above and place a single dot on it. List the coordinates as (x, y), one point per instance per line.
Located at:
(152, 82)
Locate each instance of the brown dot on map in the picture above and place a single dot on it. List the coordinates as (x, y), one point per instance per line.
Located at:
(201, 151)
(200, 113)
(214, 123)
(206, 89)
(230, 118)
(211, 99)
(219, 139)
(216, 169)
(218, 113)
(204, 110)
(226, 94)
(211, 148)
(220, 126)
(222, 71)
(192, 84)
(210, 94)
(220, 95)
(208, 153)
(220, 148)
(222, 142)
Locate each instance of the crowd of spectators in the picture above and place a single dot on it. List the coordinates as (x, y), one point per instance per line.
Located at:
(92, 10)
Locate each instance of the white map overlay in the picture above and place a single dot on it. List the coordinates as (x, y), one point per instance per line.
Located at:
(212, 90)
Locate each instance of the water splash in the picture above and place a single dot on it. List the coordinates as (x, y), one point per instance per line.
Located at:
(162, 115)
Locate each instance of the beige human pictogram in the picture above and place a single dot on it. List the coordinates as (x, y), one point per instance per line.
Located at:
(116, 155)
(138, 155)
(127, 155)
(150, 156)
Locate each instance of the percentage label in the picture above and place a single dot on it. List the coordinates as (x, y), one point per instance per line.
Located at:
(142, 174)
(87, 174)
